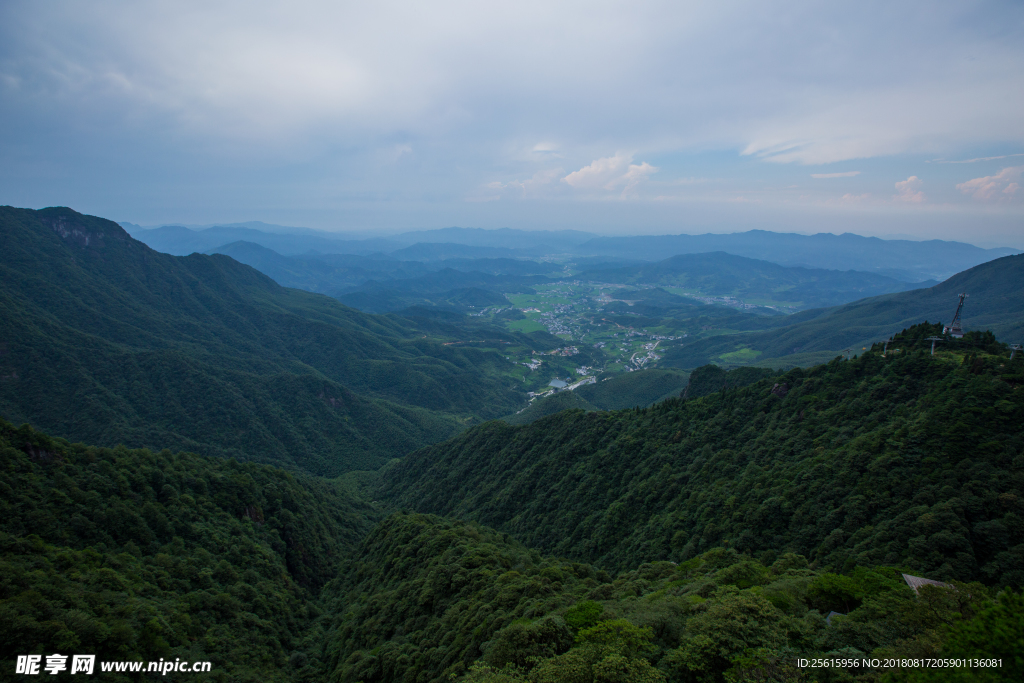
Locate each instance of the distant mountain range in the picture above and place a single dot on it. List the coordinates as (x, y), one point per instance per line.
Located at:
(900, 259)
(380, 284)
(904, 260)
(182, 241)
(866, 279)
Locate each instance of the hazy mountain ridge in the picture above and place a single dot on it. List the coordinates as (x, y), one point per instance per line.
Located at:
(719, 273)
(904, 260)
(181, 241)
(901, 259)
(993, 303)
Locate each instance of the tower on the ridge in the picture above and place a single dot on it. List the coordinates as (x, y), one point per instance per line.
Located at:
(955, 329)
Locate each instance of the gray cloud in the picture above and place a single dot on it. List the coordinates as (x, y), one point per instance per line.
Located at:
(329, 103)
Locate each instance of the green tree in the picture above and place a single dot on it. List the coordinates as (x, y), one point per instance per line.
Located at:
(724, 627)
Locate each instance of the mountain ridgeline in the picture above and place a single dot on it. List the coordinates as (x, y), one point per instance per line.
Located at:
(213, 467)
(107, 341)
(904, 260)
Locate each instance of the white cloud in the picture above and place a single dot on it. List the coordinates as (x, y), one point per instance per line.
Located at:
(610, 174)
(600, 173)
(845, 174)
(998, 186)
(909, 190)
(636, 174)
(540, 184)
(975, 160)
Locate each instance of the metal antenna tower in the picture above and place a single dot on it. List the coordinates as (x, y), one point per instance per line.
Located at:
(933, 340)
(1014, 348)
(955, 329)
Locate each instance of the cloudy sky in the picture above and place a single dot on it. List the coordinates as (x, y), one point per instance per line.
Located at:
(883, 118)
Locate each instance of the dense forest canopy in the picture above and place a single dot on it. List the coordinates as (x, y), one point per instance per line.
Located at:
(132, 554)
(273, 576)
(905, 458)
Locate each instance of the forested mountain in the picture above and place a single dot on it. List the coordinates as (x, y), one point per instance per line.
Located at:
(108, 341)
(993, 304)
(719, 273)
(702, 526)
(136, 555)
(130, 554)
(907, 459)
(431, 600)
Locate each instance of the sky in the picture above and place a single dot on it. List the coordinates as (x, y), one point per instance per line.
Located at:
(880, 118)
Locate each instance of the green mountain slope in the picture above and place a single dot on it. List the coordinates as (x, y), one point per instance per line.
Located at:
(709, 379)
(131, 554)
(107, 341)
(631, 389)
(993, 304)
(908, 459)
(139, 556)
(722, 274)
(424, 594)
(430, 599)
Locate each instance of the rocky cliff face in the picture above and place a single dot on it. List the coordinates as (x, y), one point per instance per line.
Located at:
(77, 232)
